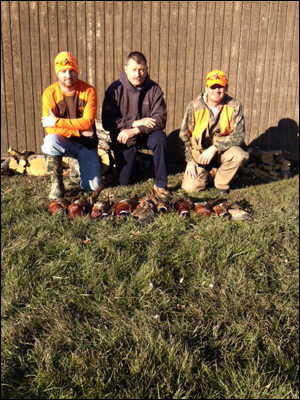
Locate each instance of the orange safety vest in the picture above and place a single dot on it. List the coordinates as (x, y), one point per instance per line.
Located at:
(202, 117)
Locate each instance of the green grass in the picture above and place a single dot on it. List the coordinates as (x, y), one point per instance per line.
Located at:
(197, 308)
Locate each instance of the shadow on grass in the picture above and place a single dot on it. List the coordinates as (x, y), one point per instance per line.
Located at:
(240, 182)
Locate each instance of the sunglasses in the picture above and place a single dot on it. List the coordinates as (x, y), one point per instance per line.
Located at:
(66, 62)
(214, 77)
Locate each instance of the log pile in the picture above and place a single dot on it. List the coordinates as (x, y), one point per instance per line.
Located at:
(23, 162)
(27, 162)
(272, 165)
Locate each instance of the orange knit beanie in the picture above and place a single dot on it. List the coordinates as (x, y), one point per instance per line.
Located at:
(65, 60)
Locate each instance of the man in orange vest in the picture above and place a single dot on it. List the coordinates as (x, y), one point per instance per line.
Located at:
(69, 111)
(212, 131)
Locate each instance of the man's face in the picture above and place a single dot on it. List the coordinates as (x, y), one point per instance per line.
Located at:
(216, 93)
(136, 73)
(67, 78)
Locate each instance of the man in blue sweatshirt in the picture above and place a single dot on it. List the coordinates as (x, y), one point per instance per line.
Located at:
(134, 112)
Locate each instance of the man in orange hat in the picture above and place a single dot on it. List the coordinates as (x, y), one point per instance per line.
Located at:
(212, 131)
(69, 111)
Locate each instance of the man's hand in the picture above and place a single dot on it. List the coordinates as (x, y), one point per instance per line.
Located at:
(49, 122)
(208, 155)
(88, 134)
(126, 134)
(191, 169)
(149, 122)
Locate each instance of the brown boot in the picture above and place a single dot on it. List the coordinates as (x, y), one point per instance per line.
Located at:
(54, 168)
(161, 192)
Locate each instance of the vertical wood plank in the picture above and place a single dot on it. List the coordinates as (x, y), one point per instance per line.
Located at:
(201, 35)
(210, 16)
(242, 76)
(179, 83)
(181, 64)
(25, 24)
(293, 98)
(285, 84)
(4, 128)
(36, 78)
(227, 31)
(258, 86)
(17, 74)
(250, 82)
(8, 74)
(100, 55)
(155, 40)
(71, 28)
(296, 113)
(53, 38)
(62, 26)
(163, 50)
(286, 125)
(233, 66)
(146, 30)
(268, 69)
(218, 35)
(46, 63)
(109, 42)
(172, 66)
(137, 27)
(82, 40)
(118, 38)
(127, 30)
(191, 56)
(91, 45)
(277, 62)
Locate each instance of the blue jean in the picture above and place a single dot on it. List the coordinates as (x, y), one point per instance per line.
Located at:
(125, 158)
(88, 160)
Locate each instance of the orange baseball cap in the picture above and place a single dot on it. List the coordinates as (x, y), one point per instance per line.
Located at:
(65, 60)
(216, 78)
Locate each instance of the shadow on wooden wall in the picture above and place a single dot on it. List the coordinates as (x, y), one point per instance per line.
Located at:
(284, 136)
(174, 146)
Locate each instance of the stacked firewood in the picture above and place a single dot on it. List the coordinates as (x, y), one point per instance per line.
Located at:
(271, 165)
(25, 162)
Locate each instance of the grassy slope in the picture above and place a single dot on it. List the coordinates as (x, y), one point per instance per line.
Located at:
(198, 308)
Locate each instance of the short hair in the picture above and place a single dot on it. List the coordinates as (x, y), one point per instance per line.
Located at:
(137, 57)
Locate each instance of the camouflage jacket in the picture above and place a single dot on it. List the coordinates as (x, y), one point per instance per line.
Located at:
(201, 129)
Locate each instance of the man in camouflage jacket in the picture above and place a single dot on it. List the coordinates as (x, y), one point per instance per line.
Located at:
(212, 131)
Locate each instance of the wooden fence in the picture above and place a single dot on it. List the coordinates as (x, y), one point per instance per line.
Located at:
(255, 42)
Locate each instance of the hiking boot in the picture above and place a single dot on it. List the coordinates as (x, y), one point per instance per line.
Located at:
(161, 192)
(54, 168)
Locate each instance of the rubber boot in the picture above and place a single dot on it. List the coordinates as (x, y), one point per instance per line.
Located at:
(54, 168)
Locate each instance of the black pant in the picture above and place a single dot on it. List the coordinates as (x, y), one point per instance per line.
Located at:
(125, 158)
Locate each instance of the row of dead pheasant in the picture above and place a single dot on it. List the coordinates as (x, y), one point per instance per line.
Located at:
(144, 209)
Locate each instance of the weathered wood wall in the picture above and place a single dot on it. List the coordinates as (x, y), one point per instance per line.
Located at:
(255, 42)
